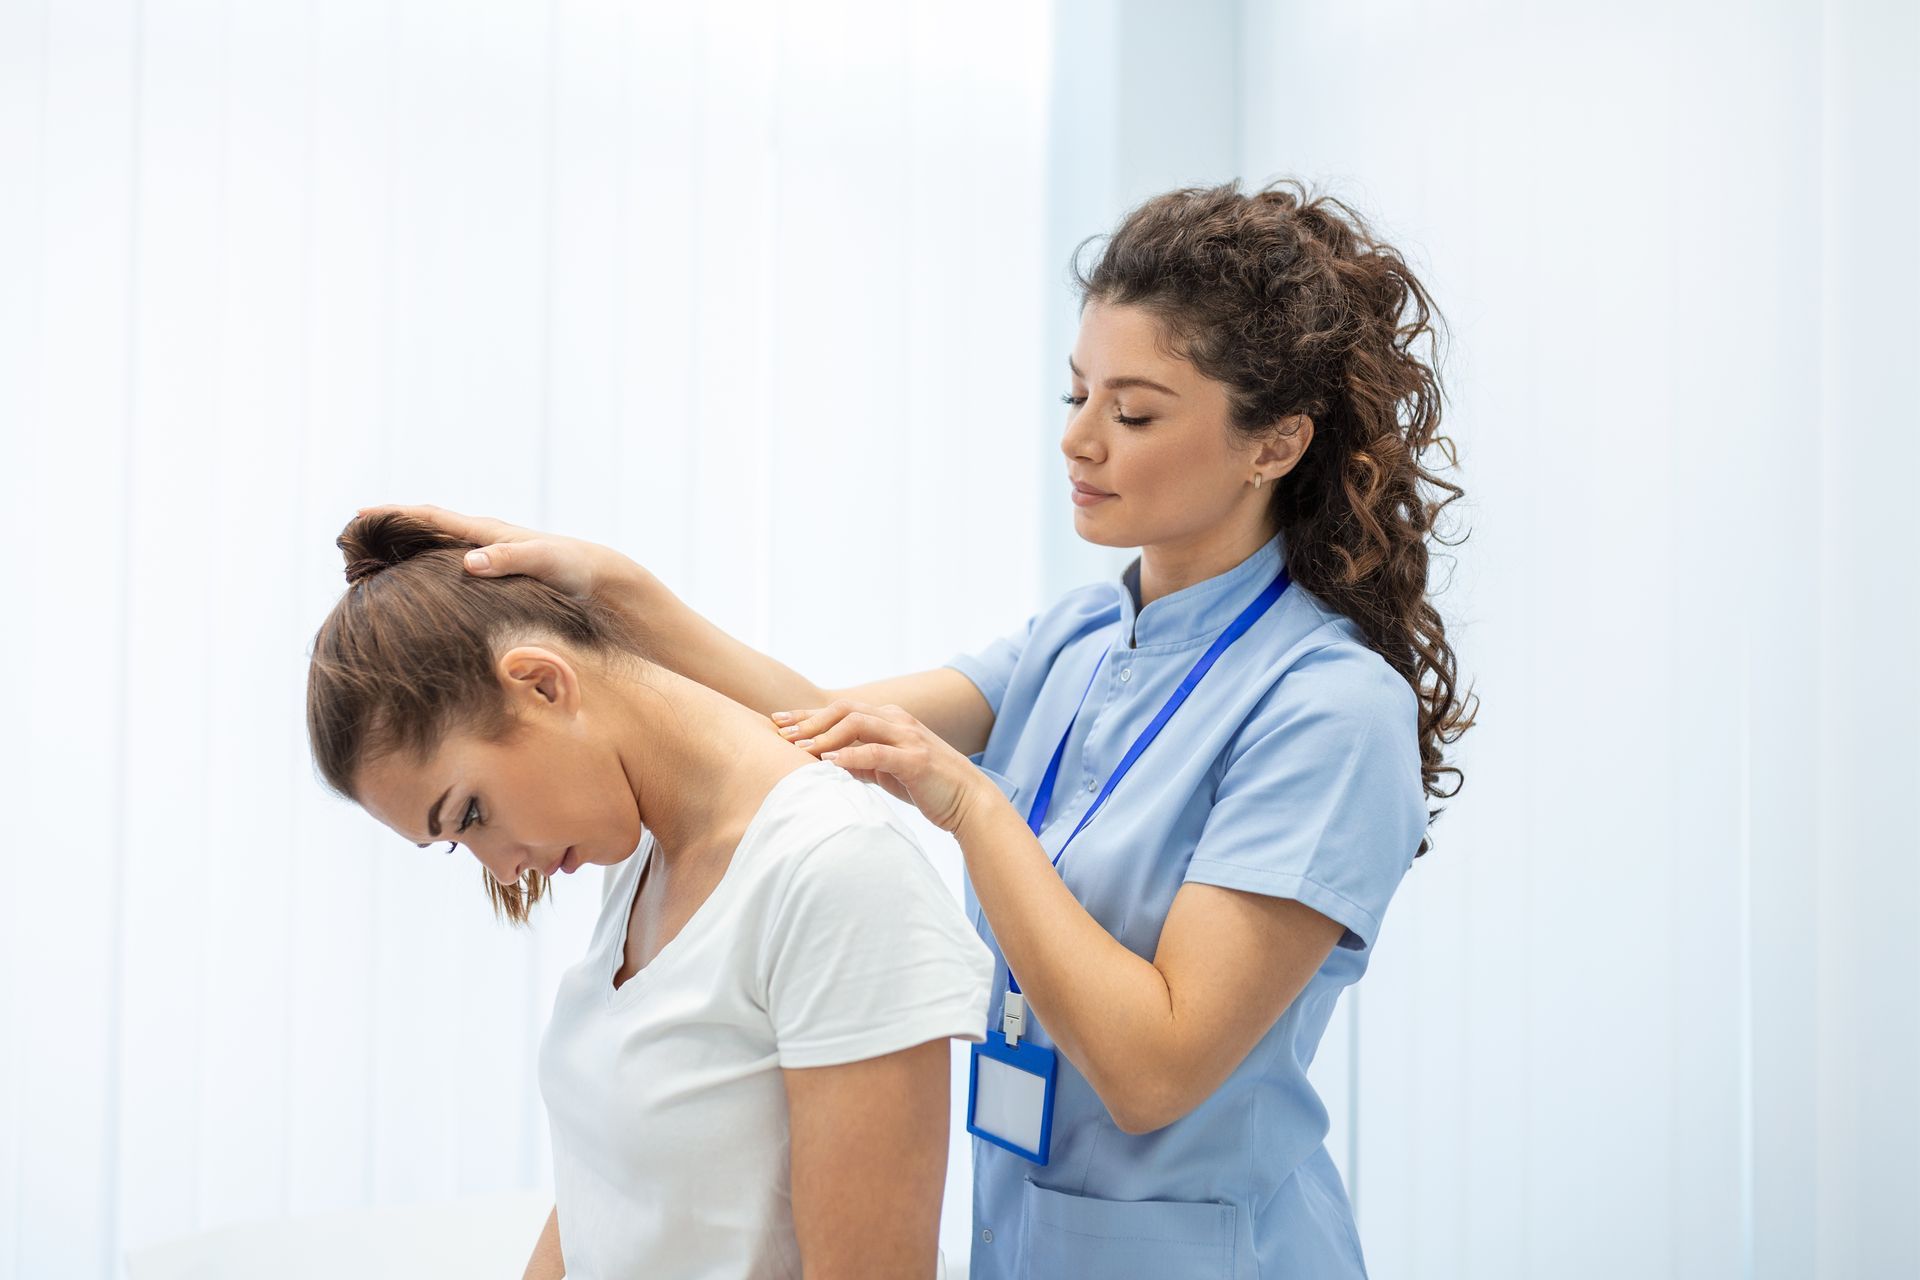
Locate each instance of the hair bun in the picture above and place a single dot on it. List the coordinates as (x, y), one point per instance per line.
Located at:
(376, 542)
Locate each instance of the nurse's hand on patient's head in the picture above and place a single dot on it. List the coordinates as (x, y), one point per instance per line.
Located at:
(572, 565)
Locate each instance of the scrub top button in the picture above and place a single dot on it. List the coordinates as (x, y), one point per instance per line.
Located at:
(1092, 785)
(986, 1235)
(1126, 674)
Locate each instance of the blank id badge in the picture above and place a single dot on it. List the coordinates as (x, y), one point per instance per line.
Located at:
(1010, 1096)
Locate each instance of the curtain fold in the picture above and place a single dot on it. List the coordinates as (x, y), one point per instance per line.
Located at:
(1646, 1009)
(748, 290)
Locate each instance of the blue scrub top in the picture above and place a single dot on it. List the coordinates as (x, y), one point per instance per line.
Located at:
(1292, 770)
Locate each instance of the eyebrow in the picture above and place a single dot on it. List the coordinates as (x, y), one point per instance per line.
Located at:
(1119, 384)
(433, 815)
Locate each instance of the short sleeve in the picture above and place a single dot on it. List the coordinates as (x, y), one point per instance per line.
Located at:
(992, 667)
(1321, 799)
(868, 953)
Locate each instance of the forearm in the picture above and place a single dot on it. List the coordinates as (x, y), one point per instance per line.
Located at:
(1108, 1010)
(546, 1262)
(686, 643)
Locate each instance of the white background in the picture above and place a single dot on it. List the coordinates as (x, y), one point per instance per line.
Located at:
(773, 298)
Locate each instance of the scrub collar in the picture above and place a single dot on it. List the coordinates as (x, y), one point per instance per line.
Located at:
(1200, 610)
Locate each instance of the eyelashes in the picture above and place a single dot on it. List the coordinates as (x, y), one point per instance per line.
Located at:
(1118, 417)
(472, 816)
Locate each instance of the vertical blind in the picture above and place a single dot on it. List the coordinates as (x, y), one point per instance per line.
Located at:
(748, 290)
(772, 297)
(1647, 1008)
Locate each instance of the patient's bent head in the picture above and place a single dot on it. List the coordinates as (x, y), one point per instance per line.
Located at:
(464, 709)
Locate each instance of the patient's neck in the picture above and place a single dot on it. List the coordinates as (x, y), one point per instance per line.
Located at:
(699, 764)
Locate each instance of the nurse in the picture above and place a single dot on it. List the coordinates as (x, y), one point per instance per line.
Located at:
(1186, 797)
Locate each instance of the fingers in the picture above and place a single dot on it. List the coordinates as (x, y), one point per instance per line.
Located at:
(827, 730)
(803, 725)
(856, 728)
(843, 732)
(799, 726)
(498, 559)
(480, 529)
(864, 760)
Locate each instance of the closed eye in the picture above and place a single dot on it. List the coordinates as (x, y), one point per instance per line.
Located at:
(471, 816)
(1118, 417)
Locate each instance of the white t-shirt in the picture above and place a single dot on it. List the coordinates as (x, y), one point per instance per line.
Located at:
(829, 939)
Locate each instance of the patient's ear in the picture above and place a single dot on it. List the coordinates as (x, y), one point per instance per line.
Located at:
(537, 679)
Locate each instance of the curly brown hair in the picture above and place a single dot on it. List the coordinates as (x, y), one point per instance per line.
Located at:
(1292, 302)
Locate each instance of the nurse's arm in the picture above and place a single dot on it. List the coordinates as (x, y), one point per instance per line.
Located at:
(868, 1152)
(1154, 1039)
(685, 642)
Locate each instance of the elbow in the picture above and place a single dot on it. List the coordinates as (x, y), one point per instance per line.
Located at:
(1149, 1088)
(1147, 1104)
(1131, 1125)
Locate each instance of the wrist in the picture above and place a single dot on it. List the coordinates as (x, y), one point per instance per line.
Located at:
(977, 802)
(627, 585)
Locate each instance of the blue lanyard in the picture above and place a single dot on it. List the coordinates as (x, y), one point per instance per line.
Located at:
(1042, 800)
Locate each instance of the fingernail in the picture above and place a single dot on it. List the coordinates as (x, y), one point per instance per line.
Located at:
(477, 560)
(781, 717)
(831, 755)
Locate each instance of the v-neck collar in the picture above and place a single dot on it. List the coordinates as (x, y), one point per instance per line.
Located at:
(671, 950)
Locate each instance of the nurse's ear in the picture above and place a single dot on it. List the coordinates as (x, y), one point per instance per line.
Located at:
(1283, 446)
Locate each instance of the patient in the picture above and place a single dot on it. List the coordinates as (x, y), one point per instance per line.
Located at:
(746, 1075)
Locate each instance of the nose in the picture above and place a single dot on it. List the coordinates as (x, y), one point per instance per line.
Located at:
(506, 868)
(1077, 440)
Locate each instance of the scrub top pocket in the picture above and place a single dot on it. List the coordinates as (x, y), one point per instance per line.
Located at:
(1071, 1237)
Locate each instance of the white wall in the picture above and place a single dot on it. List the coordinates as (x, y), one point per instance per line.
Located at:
(769, 295)
(1647, 1008)
(749, 290)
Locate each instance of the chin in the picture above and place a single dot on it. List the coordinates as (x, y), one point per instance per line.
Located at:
(1103, 535)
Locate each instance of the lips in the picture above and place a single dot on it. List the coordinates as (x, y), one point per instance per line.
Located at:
(1090, 491)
